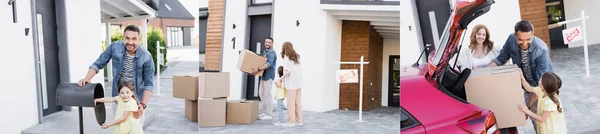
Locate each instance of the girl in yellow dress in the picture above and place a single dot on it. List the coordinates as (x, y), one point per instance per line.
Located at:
(127, 103)
(550, 117)
(279, 96)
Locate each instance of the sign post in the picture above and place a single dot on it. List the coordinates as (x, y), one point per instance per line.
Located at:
(576, 34)
(160, 61)
(360, 81)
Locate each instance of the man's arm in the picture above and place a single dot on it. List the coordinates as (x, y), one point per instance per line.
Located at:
(504, 54)
(544, 64)
(148, 78)
(97, 65)
(270, 62)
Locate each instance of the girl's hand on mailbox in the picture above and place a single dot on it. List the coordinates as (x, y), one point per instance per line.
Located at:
(105, 126)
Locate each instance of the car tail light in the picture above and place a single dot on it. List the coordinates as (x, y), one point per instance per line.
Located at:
(480, 124)
(490, 124)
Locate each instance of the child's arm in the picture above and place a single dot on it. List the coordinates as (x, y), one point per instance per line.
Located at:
(526, 85)
(278, 83)
(105, 99)
(123, 118)
(286, 73)
(541, 118)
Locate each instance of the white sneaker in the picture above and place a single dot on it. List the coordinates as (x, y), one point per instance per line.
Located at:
(278, 123)
(288, 125)
(265, 118)
(261, 115)
(298, 124)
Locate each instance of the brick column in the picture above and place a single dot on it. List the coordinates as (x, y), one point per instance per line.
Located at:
(358, 39)
(214, 34)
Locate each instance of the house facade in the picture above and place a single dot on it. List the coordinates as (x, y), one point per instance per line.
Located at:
(176, 22)
(323, 32)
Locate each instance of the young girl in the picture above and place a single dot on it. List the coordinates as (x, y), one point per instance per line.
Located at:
(127, 103)
(279, 96)
(550, 116)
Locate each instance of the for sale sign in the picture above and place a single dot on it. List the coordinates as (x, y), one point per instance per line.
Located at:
(347, 76)
(572, 34)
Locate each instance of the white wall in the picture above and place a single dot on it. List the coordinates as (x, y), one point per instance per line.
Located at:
(203, 3)
(499, 28)
(390, 47)
(84, 46)
(410, 38)
(573, 10)
(235, 14)
(308, 39)
(17, 72)
(333, 42)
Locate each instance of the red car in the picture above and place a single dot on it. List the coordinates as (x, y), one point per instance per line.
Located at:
(432, 96)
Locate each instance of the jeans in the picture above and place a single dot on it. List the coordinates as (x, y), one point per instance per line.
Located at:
(280, 111)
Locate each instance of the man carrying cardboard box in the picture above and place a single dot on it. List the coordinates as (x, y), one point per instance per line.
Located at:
(531, 54)
(266, 81)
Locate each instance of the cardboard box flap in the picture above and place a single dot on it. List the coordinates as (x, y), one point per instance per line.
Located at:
(493, 70)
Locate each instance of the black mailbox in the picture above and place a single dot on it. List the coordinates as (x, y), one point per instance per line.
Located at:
(70, 94)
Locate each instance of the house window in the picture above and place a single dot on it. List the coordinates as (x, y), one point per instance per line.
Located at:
(174, 36)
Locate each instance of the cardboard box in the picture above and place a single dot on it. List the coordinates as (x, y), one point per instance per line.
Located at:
(213, 84)
(191, 110)
(498, 89)
(242, 112)
(211, 112)
(185, 86)
(249, 60)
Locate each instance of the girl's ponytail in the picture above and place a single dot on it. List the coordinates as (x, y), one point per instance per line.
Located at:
(554, 99)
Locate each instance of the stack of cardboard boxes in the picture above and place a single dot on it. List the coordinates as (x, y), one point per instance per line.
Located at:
(206, 93)
(206, 96)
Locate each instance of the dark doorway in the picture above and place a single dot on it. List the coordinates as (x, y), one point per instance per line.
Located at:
(556, 13)
(48, 55)
(394, 82)
(260, 28)
(440, 11)
(202, 25)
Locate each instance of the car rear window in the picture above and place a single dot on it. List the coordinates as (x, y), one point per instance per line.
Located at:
(407, 120)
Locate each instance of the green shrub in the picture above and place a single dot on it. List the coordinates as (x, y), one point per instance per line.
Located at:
(116, 35)
(156, 34)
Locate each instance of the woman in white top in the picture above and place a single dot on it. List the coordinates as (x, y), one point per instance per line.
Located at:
(481, 50)
(292, 75)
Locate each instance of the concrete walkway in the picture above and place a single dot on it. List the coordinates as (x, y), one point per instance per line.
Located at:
(579, 94)
(166, 114)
